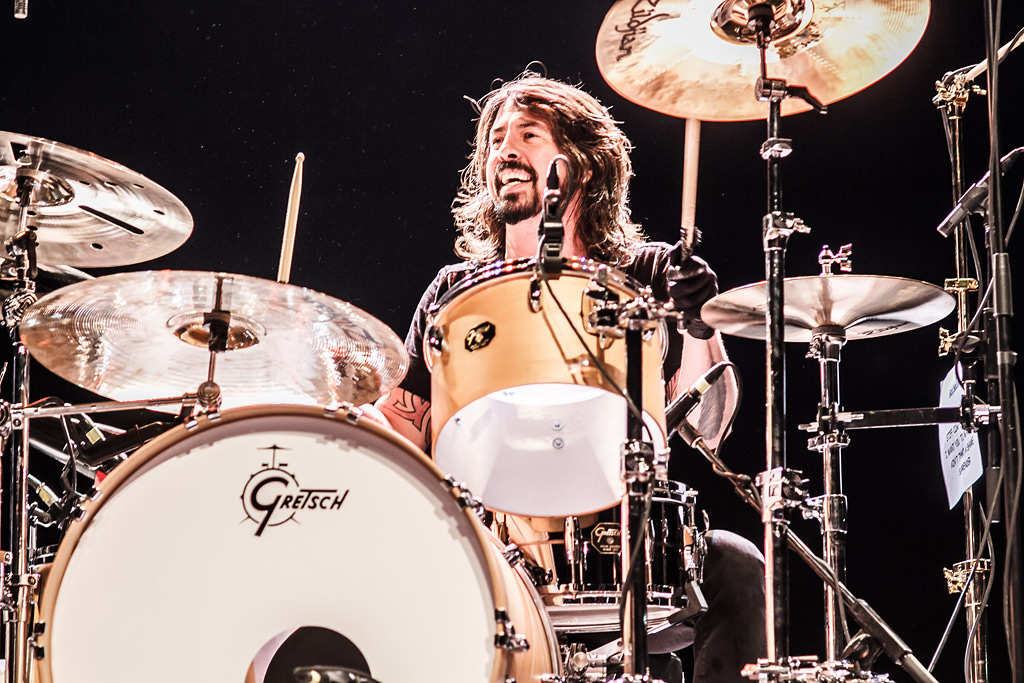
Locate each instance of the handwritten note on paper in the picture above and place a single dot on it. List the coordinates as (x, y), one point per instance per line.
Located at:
(959, 448)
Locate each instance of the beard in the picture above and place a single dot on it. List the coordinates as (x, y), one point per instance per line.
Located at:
(514, 209)
(521, 205)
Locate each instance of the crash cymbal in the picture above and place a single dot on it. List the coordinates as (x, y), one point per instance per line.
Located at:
(864, 306)
(697, 59)
(133, 336)
(87, 211)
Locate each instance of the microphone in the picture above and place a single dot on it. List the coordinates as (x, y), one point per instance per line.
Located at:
(974, 198)
(45, 493)
(676, 413)
(115, 445)
(555, 196)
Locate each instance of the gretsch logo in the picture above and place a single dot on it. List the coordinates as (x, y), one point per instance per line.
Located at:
(273, 496)
(605, 538)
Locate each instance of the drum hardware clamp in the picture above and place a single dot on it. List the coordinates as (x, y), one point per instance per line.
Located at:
(807, 669)
(465, 498)
(347, 410)
(958, 577)
(506, 637)
(783, 488)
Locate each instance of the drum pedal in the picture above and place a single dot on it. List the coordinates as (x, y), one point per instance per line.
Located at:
(696, 605)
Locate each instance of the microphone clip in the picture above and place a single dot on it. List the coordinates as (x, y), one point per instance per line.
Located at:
(552, 230)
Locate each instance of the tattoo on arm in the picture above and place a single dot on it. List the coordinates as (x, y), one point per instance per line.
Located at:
(410, 408)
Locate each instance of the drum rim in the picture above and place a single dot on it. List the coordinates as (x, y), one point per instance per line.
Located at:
(570, 265)
(50, 591)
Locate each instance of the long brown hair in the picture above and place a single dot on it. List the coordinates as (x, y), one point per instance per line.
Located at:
(599, 152)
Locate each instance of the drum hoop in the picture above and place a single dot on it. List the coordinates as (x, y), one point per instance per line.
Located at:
(141, 458)
(570, 266)
(574, 266)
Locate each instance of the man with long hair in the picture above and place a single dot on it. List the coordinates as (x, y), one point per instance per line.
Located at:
(523, 125)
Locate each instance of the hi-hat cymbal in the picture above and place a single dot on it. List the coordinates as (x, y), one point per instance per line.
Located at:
(697, 59)
(87, 211)
(858, 306)
(134, 336)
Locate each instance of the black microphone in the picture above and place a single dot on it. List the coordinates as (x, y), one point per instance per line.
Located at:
(684, 405)
(557, 193)
(973, 199)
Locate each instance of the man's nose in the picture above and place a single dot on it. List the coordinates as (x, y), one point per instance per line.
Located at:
(508, 150)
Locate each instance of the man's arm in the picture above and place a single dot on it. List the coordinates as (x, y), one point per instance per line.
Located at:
(408, 414)
(714, 412)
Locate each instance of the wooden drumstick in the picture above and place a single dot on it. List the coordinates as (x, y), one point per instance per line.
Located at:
(691, 152)
(284, 268)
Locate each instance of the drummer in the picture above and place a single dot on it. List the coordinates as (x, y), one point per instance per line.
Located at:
(523, 124)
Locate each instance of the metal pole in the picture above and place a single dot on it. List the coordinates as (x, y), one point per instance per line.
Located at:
(776, 560)
(830, 442)
(20, 583)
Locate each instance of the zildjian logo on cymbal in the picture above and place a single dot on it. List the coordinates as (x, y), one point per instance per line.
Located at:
(272, 496)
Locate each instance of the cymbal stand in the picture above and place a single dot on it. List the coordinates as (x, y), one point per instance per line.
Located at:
(777, 227)
(208, 395)
(830, 508)
(876, 635)
(19, 585)
(953, 92)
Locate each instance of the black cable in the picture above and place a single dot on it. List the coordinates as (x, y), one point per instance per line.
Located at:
(986, 542)
(986, 595)
(630, 405)
(637, 545)
(1016, 214)
(1011, 529)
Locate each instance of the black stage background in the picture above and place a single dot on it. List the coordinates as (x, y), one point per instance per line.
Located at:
(213, 102)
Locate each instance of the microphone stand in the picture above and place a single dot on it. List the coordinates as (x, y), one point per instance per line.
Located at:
(638, 457)
(952, 99)
(997, 357)
(1000, 360)
(999, 320)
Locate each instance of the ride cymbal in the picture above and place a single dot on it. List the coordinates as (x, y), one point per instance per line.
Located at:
(87, 211)
(697, 58)
(863, 306)
(134, 336)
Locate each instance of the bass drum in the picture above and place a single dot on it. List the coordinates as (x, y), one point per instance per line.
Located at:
(210, 545)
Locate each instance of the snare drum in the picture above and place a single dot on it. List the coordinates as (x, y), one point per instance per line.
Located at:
(222, 537)
(521, 411)
(583, 558)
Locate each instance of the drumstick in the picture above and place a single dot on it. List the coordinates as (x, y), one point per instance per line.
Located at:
(284, 268)
(691, 152)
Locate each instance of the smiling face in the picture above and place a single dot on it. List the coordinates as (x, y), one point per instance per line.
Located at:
(520, 148)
